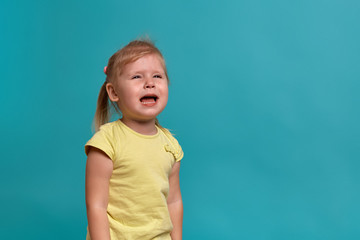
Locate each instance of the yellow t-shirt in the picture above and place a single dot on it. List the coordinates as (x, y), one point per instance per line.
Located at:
(139, 184)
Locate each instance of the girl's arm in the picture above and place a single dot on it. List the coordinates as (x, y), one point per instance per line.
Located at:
(99, 168)
(174, 202)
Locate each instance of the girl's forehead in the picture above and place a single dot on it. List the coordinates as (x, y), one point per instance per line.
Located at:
(151, 57)
(147, 62)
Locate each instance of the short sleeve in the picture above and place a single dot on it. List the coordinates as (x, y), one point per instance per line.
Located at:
(179, 154)
(175, 147)
(102, 140)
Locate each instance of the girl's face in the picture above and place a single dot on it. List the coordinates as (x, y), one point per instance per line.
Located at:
(141, 91)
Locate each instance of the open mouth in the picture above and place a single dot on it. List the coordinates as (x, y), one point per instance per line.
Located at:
(149, 99)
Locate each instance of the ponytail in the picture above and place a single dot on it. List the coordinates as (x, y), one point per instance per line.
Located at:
(102, 113)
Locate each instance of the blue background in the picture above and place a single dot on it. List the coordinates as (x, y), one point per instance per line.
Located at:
(264, 100)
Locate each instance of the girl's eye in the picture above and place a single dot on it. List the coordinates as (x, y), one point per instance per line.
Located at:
(136, 77)
(157, 76)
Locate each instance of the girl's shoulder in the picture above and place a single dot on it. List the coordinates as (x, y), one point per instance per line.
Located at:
(168, 134)
(109, 128)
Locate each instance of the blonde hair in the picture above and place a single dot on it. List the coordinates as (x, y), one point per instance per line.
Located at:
(128, 54)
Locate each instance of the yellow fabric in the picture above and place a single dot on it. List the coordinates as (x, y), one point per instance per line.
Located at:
(139, 184)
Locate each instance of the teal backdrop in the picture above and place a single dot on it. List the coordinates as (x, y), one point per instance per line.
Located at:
(264, 99)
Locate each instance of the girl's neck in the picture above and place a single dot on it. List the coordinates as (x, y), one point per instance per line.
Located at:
(145, 127)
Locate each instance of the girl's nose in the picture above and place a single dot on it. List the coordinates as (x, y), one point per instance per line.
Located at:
(150, 83)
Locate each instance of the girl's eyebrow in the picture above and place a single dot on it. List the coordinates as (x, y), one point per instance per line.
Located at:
(133, 73)
(142, 72)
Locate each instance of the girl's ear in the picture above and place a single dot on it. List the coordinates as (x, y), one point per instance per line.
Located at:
(111, 92)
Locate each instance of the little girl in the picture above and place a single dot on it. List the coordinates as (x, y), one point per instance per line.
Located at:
(132, 169)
